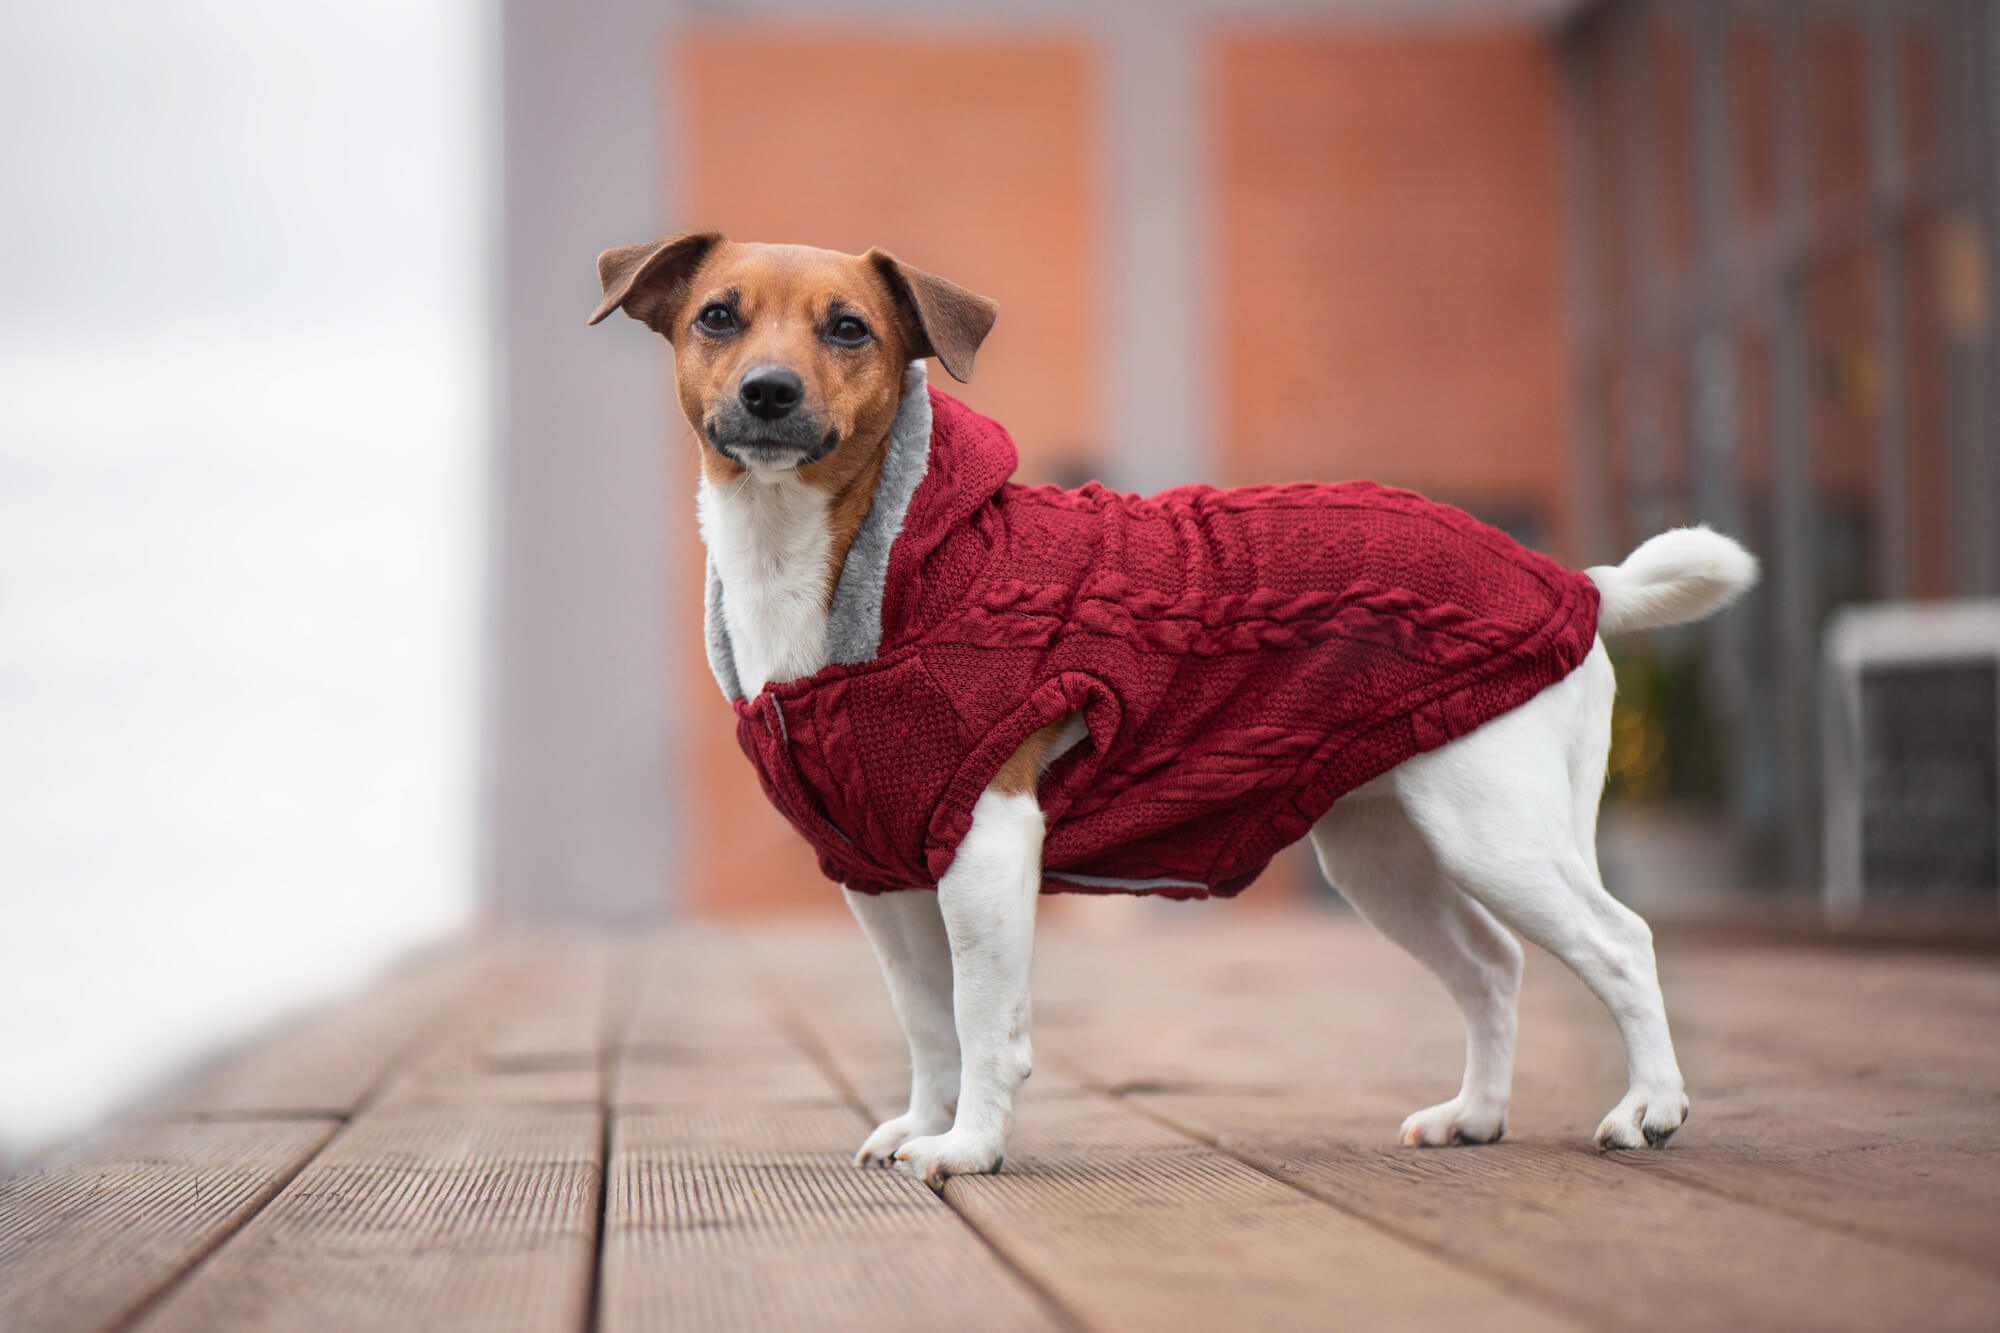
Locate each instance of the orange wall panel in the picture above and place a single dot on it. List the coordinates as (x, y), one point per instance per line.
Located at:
(975, 158)
(1388, 280)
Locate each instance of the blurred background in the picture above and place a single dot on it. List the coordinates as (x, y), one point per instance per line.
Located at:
(349, 586)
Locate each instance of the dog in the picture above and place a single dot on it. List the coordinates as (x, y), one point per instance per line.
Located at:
(930, 725)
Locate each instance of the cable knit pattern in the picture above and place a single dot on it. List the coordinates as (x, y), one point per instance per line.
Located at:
(1242, 659)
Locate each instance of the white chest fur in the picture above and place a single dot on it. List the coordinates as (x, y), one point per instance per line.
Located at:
(770, 541)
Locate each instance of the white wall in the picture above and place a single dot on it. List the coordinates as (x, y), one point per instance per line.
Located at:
(241, 486)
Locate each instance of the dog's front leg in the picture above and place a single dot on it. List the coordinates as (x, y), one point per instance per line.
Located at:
(987, 900)
(907, 932)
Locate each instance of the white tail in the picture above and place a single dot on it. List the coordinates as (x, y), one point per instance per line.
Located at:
(1681, 575)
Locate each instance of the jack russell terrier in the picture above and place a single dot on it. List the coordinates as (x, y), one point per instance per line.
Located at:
(965, 692)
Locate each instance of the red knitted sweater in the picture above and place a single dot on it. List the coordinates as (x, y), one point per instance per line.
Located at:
(1242, 658)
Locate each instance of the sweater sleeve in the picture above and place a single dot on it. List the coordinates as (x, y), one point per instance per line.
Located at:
(1056, 698)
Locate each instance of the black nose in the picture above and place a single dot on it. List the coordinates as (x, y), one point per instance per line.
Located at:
(770, 392)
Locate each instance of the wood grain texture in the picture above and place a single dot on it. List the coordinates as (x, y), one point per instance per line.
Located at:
(329, 1061)
(1921, 1022)
(1127, 1224)
(529, 1026)
(1208, 1141)
(703, 1030)
(698, 995)
(733, 1202)
(1133, 1225)
(90, 1233)
(754, 1218)
(1921, 1171)
(1603, 1236)
(441, 1218)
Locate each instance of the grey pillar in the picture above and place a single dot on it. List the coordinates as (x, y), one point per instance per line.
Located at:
(1795, 584)
(1977, 548)
(1158, 322)
(1714, 368)
(578, 810)
(1887, 214)
(1590, 527)
(1643, 395)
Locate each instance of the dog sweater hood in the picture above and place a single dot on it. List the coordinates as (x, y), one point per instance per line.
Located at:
(1242, 659)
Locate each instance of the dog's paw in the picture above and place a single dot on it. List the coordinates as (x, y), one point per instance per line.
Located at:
(1642, 1120)
(890, 1135)
(1453, 1122)
(956, 1153)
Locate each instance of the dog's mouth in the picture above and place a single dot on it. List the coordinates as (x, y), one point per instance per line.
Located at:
(792, 446)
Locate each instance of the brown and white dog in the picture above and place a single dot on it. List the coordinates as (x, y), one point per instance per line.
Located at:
(791, 363)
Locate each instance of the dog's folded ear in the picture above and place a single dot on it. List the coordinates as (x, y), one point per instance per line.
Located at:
(940, 318)
(649, 281)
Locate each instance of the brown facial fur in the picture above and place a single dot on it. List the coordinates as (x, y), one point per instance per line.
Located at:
(784, 299)
(784, 296)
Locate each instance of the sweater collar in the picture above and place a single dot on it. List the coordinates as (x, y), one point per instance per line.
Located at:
(854, 621)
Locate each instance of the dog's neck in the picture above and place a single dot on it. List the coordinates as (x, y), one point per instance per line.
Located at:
(770, 543)
(796, 574)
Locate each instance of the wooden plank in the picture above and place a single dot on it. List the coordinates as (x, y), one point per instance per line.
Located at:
(445, 1081)
(466, 1194)
(1133, 1225)
(1925, 1022)
(502, 1004)
(1929, 1193)
(702, 1031)
(529, 1028)
(733, 1203)
(1308, 1006)
(1862, 1126)
(460, 1217)
(328, 1062)
(1873, 1123)
(1635, 1249)
(1915, 1166)
(1840, 1171)
(791, 1081)
(754, 1219)
(1128, 1224)
(554, 1005)
(91, 1233)
(698, 998)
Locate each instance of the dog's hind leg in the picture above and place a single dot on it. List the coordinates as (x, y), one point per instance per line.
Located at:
(1500, 809)
(907, 932)
(1369, 851)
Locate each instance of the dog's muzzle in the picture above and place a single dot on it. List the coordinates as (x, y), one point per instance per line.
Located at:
(764, 428)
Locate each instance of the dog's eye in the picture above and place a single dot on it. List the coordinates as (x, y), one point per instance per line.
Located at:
(716, 318)
(848, 331)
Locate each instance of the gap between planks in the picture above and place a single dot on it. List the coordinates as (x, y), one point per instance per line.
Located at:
(473, 963)
(821, 974)
(793, 1025)
(1503, 1278)
(619, 991)
(1556, 1307)
(210, 1099)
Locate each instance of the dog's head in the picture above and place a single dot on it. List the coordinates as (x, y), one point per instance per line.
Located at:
(790, 359)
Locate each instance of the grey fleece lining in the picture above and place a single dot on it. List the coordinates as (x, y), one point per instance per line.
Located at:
(1128, 885)
(854, 621)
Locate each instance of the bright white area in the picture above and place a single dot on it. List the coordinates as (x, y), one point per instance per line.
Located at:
(242, 477)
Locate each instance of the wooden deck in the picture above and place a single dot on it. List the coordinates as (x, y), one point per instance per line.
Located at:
(653, 1132)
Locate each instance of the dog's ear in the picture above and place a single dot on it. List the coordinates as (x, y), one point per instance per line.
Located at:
(939, 318)
(651, 280)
